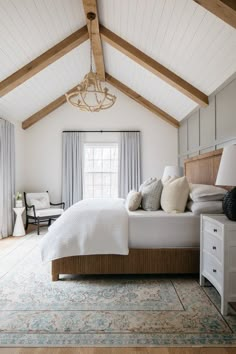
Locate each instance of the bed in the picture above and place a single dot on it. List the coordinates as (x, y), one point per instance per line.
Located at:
(151, 257)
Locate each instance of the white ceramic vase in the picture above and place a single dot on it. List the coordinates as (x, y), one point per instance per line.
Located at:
(19, 203)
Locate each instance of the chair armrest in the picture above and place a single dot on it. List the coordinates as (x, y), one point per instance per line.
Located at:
(56, 204)
(31, 207)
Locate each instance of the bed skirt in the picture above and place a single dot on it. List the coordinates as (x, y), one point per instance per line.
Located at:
(139, 261)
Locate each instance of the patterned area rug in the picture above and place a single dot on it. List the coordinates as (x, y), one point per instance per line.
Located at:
(104, 311)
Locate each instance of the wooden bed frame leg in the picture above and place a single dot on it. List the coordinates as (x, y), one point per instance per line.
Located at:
(55, 276)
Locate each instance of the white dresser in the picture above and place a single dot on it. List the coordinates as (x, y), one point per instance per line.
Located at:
(218, 256)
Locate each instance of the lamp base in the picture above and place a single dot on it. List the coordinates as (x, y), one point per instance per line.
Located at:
(229, 204)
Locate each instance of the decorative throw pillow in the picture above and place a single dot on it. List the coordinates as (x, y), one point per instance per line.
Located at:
(204, 192)
(151, 194)
(175, 195)
(211, 207)
(39, 200)
(133, 200)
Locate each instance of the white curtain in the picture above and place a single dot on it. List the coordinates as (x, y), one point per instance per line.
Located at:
(129, 163)
(7, 177)
(72, 175)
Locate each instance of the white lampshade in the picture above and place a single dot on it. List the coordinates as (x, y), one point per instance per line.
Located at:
(227, 169)
(172, 171)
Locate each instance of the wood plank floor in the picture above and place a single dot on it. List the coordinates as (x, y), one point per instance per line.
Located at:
(117, 350)
(10, 241)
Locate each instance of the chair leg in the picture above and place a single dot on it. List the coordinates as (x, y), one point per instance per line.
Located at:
(27, 223)
(38, 226)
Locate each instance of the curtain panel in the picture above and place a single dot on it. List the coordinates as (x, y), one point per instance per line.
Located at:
(7, 177)
(129, 162)
(72, 174)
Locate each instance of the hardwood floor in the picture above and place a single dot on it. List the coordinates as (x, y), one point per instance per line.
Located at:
(10, 241)
(118, 350)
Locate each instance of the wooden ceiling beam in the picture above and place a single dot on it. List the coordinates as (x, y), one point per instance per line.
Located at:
(45, 111)
(41, 62)
(153, 66)
(224, 9)
(91, 6)
(141, 100)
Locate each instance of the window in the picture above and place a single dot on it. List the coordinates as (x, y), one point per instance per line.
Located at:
(100, 170)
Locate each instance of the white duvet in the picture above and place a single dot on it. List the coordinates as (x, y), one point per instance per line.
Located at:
(88, 227)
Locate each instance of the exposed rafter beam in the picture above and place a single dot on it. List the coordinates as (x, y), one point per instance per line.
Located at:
(91, 6)
(45, 111)
(153, 66)
(41, 62)
(141, 100)
(224, 9)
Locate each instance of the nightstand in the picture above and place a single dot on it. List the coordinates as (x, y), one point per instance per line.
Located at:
(218, 256)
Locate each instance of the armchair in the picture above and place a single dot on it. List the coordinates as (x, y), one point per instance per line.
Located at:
(39, 209)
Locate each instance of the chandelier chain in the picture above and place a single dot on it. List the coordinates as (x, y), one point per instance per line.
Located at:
(89, 95)
(91, 54)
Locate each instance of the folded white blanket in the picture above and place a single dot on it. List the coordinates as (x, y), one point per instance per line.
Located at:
(88, 227)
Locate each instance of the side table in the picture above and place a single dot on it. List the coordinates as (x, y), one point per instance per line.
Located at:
(19, 229)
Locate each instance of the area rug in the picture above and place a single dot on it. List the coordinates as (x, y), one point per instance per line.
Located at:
(103, 310)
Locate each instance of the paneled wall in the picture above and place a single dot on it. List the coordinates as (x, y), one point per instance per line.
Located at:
(210, 128)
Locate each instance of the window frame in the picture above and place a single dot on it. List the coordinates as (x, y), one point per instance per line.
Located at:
(100, 144)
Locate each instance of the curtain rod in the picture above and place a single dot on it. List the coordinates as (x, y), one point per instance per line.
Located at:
(101, 131)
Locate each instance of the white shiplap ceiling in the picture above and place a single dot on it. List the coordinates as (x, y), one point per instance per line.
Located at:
(30, 27)
(179, 34)
(146, 84)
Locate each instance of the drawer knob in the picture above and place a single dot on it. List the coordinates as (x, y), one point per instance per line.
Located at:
(214, 270)
(215, 230)
(214, 247)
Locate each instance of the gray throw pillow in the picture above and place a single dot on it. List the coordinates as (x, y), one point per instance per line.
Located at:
(151, 194)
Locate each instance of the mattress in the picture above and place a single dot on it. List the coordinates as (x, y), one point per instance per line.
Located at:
(157, 229)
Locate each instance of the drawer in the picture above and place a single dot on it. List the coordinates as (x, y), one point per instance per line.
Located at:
(212, 270)
(213, 245)
(212, 228)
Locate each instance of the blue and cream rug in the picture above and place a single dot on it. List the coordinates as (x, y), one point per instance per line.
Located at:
(104, 311)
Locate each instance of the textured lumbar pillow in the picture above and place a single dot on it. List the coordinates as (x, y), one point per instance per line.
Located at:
(205, 192)
(210, 207)
(133, 200)
(175, 195)
(151, 194)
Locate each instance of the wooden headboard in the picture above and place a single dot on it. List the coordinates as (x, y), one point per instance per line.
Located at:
(203, 168)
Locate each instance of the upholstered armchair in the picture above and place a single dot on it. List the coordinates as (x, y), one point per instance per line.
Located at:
(39, 209)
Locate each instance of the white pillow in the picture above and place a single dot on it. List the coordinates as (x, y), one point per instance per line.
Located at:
(133, 200)
(175, 195)
(210, 207)
(39, 200)
(204, 192)
(151, 194)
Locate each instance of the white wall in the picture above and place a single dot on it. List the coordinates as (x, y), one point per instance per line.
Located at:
(43, 141)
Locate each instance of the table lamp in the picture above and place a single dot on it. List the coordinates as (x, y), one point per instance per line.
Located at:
(172, 171)
(227, 177)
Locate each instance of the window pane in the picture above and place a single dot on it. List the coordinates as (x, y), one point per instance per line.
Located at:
(89, 165)
(106, 179)
(106, 165)
(97, 179)
(106, 153)
(97, 153)
(97, 165)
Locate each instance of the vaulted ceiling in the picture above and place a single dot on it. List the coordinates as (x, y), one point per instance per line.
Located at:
(168, 55)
